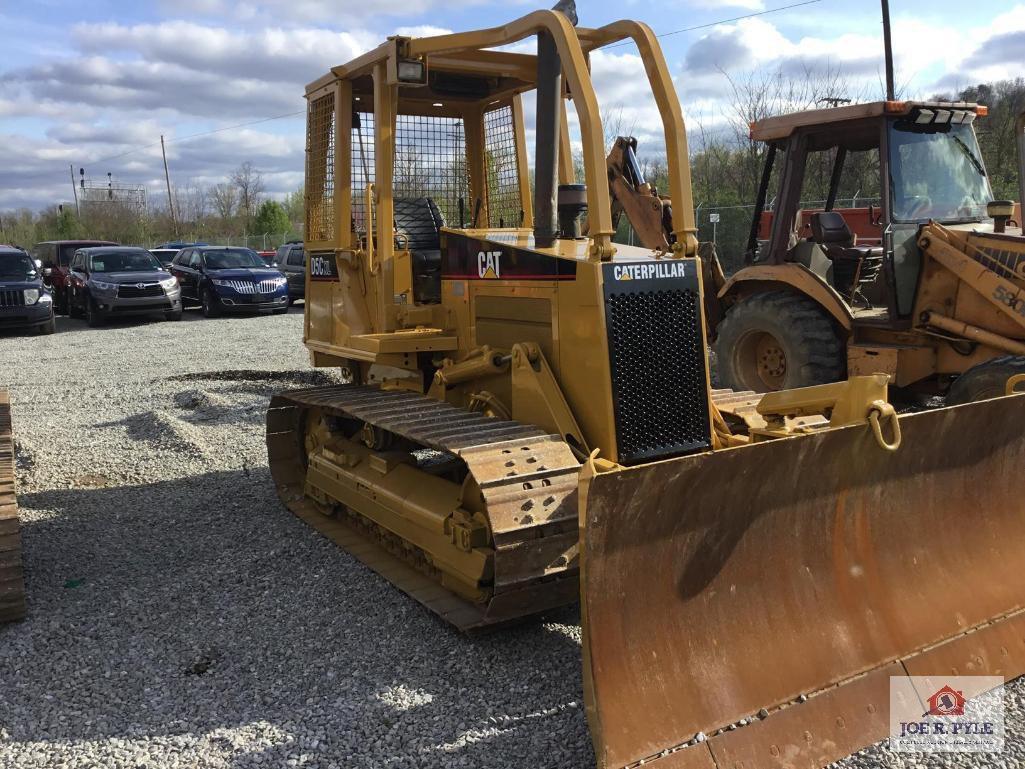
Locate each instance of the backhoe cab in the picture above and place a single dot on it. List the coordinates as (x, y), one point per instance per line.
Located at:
(815, 303)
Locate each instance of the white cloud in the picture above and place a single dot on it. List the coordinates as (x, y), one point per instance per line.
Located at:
(271, 54)
(424, 30)
(318, 11)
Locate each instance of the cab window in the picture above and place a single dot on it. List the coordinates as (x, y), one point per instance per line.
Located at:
(45, 253)
(196, 262)
(297, 257)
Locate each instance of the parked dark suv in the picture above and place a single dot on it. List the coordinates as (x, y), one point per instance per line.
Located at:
(56, 258)
(292, 262)
(227, 278)
(120, 280)
(24, 301)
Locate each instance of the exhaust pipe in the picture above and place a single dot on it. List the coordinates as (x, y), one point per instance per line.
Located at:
(546, 150)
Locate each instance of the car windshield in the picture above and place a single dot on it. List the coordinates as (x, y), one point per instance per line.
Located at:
(16, 266)
(936, 172)
(231, 258)
(124, 261)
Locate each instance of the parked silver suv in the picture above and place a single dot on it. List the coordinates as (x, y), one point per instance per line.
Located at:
(121, 280)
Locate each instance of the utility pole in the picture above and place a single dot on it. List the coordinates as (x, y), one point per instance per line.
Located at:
(888, 46)
(74, 190)
(167, 178)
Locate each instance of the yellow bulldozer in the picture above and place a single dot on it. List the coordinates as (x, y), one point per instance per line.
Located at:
(12, 585)
(936, 299)
(528, 421)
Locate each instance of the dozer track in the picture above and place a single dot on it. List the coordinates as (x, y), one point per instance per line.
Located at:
(378, 507)
(12, 583)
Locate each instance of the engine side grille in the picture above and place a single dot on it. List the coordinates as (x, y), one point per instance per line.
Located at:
(12, 298)
(657, 356)
(133, 291)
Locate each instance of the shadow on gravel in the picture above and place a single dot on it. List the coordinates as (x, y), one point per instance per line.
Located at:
(71, 325)
(313, 378)
(199, 612)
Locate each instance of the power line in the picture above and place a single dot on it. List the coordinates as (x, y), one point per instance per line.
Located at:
(723, 21)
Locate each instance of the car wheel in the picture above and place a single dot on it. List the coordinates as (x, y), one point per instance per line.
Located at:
(173, 315)
(49, 327)
(93, 316)
(72, 311)
(211, 304)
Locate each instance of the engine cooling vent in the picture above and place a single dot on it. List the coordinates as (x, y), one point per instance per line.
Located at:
(657, 356)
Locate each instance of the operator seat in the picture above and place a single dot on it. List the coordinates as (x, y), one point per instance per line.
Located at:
(420, 221)
(853, 266)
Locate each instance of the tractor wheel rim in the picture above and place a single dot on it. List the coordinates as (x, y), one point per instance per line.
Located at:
(761, 362)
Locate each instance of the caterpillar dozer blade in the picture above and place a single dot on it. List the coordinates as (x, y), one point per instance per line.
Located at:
(747, 607)
(12, 584)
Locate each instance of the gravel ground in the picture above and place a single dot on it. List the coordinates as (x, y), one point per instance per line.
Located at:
(180, 617)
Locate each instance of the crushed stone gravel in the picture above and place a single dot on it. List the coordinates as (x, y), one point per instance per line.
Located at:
(179, 616)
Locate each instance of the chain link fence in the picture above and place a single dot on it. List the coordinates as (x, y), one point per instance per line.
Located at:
(729, 227)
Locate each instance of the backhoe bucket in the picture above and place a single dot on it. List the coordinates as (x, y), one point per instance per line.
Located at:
(763, 595)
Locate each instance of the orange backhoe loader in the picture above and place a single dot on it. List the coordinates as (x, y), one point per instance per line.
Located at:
(936, 301)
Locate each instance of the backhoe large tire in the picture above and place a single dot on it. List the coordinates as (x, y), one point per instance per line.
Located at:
(777, 341)
(985, 380)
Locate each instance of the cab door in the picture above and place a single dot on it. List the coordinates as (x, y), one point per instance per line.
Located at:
(77, 280)
(180, 269)
(295, 271)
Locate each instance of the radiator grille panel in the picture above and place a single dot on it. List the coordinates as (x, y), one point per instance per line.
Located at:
(658, 372)
(12, 298)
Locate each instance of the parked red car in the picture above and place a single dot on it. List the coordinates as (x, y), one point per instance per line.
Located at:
(55, 256)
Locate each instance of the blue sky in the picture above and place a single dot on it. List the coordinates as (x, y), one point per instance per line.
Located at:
(90, 83)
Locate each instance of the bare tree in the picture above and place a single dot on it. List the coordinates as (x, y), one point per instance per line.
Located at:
(224, 198)
(191, 201)
(250, 188)
(412, 177)
(614, 125)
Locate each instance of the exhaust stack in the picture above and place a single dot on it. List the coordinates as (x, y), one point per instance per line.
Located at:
(547, 128)
(547, 131)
